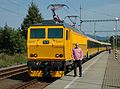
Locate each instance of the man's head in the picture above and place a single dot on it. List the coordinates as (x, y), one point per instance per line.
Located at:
(76, 45)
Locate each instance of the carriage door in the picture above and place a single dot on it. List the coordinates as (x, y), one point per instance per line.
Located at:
(68, 48)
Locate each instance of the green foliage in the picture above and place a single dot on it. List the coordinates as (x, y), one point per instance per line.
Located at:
(32, 17)
(11, 41)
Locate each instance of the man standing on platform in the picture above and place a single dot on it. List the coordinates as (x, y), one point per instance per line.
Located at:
(109, 50)
(77, 54)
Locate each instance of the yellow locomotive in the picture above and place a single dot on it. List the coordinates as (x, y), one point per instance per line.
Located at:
(50, 48)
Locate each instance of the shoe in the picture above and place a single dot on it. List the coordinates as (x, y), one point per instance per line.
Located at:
(75, 75)
(80, 76)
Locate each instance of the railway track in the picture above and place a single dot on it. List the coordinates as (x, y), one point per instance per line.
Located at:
(39, 83)
(33, 84)
(23, 85)
(13, 70)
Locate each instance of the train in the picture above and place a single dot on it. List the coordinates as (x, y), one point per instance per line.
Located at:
(50, 44)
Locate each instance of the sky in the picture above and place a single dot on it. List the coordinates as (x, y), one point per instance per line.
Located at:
(13, 12)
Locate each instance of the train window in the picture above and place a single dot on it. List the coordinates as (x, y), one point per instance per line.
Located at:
(92, 44)
(55, 33)
(66, 34)
(37, 33)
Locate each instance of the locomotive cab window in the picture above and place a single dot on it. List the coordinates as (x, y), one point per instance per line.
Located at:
(55, 33)
(37, 33)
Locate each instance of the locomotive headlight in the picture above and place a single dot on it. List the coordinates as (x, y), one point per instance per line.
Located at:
(56, 55)
(35, 55)
(61, 55)
(31, 55)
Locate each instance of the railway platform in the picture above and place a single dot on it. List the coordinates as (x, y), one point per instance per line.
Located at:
(101, 72)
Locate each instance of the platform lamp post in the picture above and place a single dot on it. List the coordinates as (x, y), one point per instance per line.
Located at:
(116, 19)
(115, 29)
(113, 43)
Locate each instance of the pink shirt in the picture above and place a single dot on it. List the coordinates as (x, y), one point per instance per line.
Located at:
(77, 54)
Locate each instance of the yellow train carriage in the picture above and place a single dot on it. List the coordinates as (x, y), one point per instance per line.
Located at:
(105, 46)
(95, 47)
(92, 46)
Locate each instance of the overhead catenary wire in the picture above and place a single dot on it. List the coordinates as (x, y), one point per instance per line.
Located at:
(14, 3)
(74, 9)
(88, 10)
(105, 14)
(10, 11)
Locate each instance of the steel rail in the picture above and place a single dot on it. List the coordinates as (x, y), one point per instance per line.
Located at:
(24, 85)
(13, 70)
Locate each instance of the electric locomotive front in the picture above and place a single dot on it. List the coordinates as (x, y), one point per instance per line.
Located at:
(46, 57)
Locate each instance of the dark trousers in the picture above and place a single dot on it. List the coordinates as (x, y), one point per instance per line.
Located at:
(109, 51)
(79, 64)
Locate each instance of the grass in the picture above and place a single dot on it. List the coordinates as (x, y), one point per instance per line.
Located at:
(9, 60)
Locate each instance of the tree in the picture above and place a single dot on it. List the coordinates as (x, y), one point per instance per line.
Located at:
(32, 17)
(6, 39)
(11, 41)
(1, 39)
